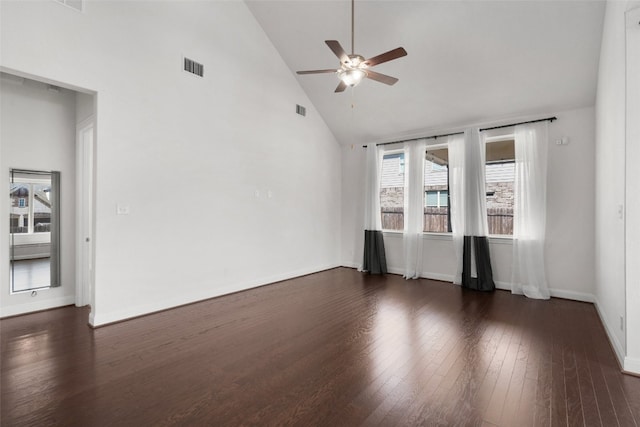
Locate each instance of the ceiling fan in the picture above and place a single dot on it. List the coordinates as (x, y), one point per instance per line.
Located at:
(353, 68)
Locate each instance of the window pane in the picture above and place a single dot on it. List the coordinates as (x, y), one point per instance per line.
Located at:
(392, 192)
(19, 214)
(500, 173)
(432, 198)
(41, 208)
(436, 183)
(444, 198)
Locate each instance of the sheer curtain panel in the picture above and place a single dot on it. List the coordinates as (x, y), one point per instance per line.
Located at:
(456, 199)
(374, 258)
(475, 243)
(414, 208)
(530, 209)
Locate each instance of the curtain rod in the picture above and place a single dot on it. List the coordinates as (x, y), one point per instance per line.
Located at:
(417, 139)
(550, 119)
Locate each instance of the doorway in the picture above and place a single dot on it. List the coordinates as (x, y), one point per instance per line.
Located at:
(84, 212)
(40, 123)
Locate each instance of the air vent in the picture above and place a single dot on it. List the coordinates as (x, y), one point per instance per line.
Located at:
(193, 67)
(73, 4)
(301, 110)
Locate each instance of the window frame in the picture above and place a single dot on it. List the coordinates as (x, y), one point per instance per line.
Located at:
(433, 147)
(439, 194)
(401, 171)
(31, 236)
(488, 140)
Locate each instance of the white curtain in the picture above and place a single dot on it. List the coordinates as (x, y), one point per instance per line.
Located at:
(372, 219)
(374, 258)
(469, 211)
(456, 148)
(530, 207)
(475, 190)
(414, 208)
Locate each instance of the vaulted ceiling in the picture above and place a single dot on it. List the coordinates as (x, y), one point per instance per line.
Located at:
(468, 61)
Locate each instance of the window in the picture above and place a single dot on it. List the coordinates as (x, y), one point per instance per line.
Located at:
(392, 183)
(500, 174)
(437, 199)
(436, 190)
(30, 208)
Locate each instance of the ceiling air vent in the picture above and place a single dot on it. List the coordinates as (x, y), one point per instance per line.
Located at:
(301, 110)
(193, 67)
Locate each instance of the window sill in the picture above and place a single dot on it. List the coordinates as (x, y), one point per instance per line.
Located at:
(437, 236)
(501, 240)
(425, 235)
(31, 238)
(493, 239)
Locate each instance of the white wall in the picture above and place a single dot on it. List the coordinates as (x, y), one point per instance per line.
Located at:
(37, 131)
(193, 158)
(610, 111)
(632, 359)
(610, 178)
(570, 216)
(84, 106)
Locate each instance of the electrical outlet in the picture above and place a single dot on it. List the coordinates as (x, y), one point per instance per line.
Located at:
(122, 209)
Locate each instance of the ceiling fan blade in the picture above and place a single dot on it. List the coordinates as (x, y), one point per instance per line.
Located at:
(387, 56)
(382, 78)
(336, 48)
(341, 87)
(316, 71)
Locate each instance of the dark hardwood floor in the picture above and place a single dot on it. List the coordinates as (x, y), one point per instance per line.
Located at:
(336, 348)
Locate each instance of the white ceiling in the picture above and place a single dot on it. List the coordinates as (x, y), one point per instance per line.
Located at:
(468, 61)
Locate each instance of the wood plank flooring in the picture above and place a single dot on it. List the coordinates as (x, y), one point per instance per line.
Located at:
(336, 348)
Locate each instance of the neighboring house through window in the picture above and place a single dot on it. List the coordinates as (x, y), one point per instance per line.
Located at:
(499, 174)
(436, 190)
(499, 177)
(392, 185)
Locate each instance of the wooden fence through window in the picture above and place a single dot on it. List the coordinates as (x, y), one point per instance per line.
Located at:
(500, 220)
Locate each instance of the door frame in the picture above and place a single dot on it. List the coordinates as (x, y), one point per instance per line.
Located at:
(85, 242)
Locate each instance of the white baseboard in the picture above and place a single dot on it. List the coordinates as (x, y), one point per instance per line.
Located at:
(503, 285)
(617, 347)
(30, 307)
(556, 293)
(424, 274)
(576, 296)
(632, 365)
(97, 319)
(437, 276)
(351, 265)
(395, 270)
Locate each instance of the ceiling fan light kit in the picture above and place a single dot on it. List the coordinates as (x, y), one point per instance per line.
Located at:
(351, 77)
(354, 68)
